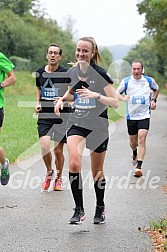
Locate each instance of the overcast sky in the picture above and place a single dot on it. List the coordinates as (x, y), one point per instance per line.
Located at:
(110, 22)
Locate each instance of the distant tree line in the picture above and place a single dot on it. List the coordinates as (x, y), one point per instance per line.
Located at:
(26, 33)
(152, 49)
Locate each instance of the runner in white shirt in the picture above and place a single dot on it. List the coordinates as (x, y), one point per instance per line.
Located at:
(141, 94)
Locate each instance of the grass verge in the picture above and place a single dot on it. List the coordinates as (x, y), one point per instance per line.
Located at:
(19, 131)
(19, 136)
(158, 234)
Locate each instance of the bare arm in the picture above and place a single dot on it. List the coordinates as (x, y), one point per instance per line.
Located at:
(121, 90)
(10, 80)
(38, 100)
(124, 98)
(154, 98)
(67, 97)
(110, 99)
(155, 94)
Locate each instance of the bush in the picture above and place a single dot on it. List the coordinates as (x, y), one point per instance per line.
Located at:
(21, 64)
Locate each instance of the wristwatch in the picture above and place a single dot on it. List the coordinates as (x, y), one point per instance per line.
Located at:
(99, 95)
(155, 100)
(1, 85)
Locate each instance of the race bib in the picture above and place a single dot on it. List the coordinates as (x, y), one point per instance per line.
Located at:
(49, 93)
(138, 100)
(84, 103)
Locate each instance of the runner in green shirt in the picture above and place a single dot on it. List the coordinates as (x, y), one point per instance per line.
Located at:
(7, 78)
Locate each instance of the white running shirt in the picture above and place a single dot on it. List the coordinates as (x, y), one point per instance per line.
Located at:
(139, 91)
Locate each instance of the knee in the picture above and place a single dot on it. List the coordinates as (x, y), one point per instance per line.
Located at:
(74, 166)
(45, 147)
(133, 145)
(58, 153)
(141, 141)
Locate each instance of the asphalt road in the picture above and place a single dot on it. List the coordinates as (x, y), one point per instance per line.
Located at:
(33, 221)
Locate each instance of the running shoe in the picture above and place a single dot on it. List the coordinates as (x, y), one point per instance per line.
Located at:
(134, 160)
(99, 217)
(138, 172)
(78, 216)
(58, 185)
(5, 173)
(49, 176)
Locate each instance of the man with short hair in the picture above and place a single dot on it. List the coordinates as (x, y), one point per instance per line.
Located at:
(141, 94)
(50, 82)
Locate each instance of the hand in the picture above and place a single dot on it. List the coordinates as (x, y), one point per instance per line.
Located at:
(126, 98)
(57, 106)
(153, 105)
(86, 93)
(56, 100)
(37, 108)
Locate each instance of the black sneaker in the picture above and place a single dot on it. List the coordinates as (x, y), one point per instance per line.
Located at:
(78, 216)
(99, 217)
(5, 173)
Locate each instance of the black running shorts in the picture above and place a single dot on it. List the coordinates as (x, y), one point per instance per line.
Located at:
(57, 132)
(134, 125)
(1, 116)
(96, 140)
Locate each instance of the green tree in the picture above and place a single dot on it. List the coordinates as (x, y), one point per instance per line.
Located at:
(20, 7)
(145, 51)
(156, 24)
(106, 57)
(27, 36)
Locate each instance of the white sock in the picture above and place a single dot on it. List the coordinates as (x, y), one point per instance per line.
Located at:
(5, 165)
